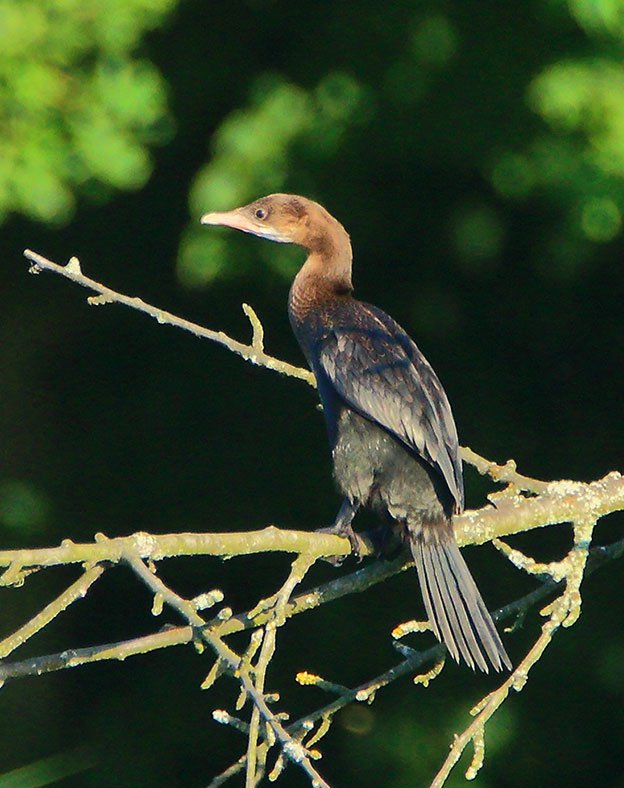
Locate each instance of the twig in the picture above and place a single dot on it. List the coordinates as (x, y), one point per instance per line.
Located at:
(291, 748)
(253, 352)
(74, 592)
(298, 571)
(503, 473)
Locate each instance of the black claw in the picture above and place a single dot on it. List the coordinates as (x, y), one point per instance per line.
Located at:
(347, 533)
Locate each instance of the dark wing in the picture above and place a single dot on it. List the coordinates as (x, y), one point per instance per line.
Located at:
(378, 370)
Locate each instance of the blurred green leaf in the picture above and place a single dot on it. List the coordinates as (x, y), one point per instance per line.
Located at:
(252, 151)
(22, 506)
(79, 107)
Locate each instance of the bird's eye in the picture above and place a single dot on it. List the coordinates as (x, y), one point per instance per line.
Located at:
(260, 213)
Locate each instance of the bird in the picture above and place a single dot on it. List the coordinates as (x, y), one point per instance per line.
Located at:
(389, 423)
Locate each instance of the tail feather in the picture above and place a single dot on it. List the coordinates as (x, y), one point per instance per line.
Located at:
(454, 606)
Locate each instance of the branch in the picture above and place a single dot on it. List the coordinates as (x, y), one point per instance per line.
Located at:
(503, 473)
(253, 352)
(75, 591)
(290, 747)
(414, 662)
(563, 502)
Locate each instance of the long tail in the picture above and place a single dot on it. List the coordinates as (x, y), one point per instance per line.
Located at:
(454, 605)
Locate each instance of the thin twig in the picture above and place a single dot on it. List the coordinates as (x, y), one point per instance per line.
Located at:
(75, 591)
(253, 352)
(292, 749)
(503, 473)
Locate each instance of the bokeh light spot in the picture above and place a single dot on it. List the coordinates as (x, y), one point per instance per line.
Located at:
(601, 219)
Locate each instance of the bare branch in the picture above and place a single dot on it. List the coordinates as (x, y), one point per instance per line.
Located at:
(563, 502)
(253, 352)
(75, 591)
(291, 748)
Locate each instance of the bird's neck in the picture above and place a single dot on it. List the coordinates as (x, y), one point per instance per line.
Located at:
(326, 273)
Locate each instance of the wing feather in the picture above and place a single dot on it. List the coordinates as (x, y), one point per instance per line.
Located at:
(378, 370)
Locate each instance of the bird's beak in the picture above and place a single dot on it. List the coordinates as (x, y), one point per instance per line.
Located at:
(234, 219)
(239, 220)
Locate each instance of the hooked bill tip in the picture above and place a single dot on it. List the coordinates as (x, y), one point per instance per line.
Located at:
(211, 218)
(234, 219)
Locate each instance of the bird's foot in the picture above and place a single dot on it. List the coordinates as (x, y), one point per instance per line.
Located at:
(348, 533)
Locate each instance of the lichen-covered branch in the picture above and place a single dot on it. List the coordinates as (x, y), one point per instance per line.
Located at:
(562, 502)
(291, 748)
(413, 663)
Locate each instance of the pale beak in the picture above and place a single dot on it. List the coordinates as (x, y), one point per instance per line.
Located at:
(238, 220)
(234, 219)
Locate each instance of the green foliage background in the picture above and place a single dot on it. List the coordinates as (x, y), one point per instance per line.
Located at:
(475, 152)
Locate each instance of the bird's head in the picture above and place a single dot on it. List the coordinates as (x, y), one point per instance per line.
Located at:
(290, 219)
(285, 218)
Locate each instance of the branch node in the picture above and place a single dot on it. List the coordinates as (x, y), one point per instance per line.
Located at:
(157, 605)
(312, 680)
(366, 695)
(257, 339)
(73, 266)
(100, 300)
(225, 718)
(207, 599)
(426, 678)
